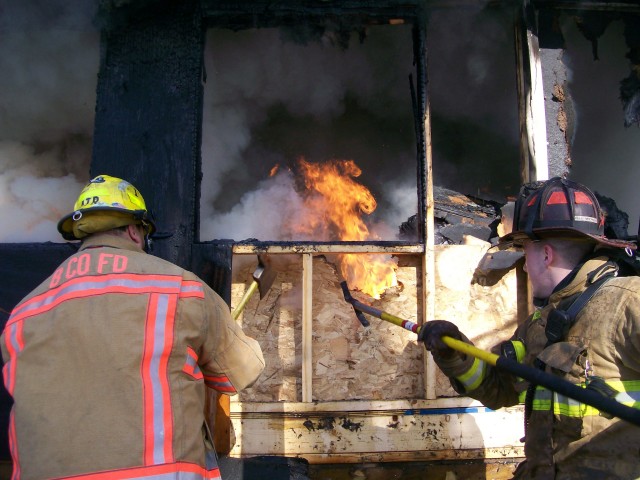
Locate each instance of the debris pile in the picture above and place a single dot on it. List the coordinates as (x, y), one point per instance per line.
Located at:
(457, 215)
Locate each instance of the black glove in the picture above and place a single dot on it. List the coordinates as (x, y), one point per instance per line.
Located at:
(431, 334)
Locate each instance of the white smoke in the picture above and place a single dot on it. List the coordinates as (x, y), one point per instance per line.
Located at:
(49, 64)
(349, 104)
(272, 204)
(30, 201)
(252, 73)
(255, 79)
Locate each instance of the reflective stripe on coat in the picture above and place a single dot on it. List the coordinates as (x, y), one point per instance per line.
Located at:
(107, 362)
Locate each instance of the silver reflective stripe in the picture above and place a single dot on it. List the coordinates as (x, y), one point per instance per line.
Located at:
(473, 377)
(154, 373)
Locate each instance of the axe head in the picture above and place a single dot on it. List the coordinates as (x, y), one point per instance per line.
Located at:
(264, 275)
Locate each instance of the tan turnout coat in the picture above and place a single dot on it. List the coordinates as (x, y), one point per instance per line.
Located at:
(107, 361)
(566, 439)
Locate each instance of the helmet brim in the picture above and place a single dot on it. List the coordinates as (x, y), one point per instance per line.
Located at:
(65, 225)
(543, 233)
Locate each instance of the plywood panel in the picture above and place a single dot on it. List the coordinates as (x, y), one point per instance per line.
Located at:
(487, 315)
(348, 361)
(383, 361)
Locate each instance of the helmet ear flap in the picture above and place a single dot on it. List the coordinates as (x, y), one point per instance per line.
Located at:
(148, 222)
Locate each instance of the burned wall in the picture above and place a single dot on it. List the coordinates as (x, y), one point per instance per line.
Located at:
(589, 60)
(378, 362)
(148, 116)
(604, 149)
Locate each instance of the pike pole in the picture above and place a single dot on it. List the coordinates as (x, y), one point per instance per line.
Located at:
(533, 375)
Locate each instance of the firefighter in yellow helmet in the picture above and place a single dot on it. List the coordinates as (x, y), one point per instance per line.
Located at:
(108, 359)
(105, 203)
(585, 329)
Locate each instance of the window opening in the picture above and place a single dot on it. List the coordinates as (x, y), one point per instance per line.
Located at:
(278, 105)
(603, 150)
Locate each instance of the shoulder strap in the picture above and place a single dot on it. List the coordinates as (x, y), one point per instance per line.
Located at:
(585, 296)
(560, 321)
(558, 324)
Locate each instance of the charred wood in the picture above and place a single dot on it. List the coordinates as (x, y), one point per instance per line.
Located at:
(457, 215)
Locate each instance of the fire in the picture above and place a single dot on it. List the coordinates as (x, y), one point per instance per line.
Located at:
(335, 203)
(274, 170)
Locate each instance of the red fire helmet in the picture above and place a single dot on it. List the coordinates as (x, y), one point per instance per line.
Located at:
(559, 208)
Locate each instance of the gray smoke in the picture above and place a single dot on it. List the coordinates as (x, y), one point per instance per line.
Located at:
(270, 99)
(604, 152)
(49, 64)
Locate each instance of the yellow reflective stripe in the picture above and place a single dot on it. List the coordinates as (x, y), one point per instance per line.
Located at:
(520, 350)
(542, 399)
(562, 405)
(629, 392)
(473, 377)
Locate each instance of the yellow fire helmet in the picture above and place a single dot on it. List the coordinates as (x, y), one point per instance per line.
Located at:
(105, 203)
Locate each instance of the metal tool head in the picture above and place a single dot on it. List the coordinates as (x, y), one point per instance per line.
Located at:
(264, 275)
(345, 291)
(349, 298)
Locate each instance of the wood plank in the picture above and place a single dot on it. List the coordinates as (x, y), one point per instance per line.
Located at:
(381, 435)
(321, 248)
(307, 327)
(217, 416)
(533, 141)
(389, 406)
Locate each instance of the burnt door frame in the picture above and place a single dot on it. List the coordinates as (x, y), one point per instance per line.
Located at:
(148, 122)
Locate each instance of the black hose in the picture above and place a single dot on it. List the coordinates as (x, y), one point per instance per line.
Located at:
(584, 395)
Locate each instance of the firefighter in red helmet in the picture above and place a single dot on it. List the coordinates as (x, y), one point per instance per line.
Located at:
(108, 359)
(585, 329)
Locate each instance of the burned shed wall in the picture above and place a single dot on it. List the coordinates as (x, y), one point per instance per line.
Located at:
(590, 72)
(148, 130)
(148, 114)
(378, 362)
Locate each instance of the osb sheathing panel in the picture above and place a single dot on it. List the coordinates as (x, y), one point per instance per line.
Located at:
(350, 362)
(486, 315)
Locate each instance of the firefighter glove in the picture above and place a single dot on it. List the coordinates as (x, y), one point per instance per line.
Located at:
(431, 334)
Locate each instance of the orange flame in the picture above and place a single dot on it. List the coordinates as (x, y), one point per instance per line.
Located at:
(337, 203)
(274, 170)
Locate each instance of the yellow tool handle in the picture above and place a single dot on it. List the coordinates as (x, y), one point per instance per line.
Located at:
(245, 298)
(467, 349)
(533, 375)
